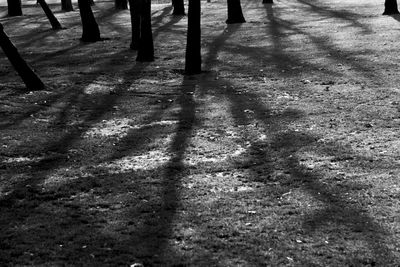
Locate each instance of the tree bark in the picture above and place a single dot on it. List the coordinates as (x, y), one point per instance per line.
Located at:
(235, 14)
(121, 4)
(66, 5)
(145, 45)
(14, 8)
(90, 29)
(135, 24)
(193, 43)
(390, 7)
(31, 80)
(179, 8)
(55, 24)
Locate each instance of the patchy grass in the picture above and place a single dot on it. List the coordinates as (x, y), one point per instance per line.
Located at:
(283, 152)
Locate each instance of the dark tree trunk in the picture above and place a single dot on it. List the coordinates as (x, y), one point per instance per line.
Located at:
(121, 4)
(53, 20)
(145, 45)
(193, 43)
(31, 80)
(14, 7)
(391, 7)
(135, 23)
(267, 1)
(179, 8)
(91, 2)
(90, 29)
(66, 5)
(235, 14)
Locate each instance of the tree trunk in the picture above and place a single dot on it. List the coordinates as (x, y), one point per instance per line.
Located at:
(145, 46)
(90, 29)
(235, 14)
(14, 8)
(31, 80)
(121, 4)
(193, 43)
(391, 7)
(267, 1)
(179, 8)
(135, 24)
(53, 20)
(66, 5)
(91, 2)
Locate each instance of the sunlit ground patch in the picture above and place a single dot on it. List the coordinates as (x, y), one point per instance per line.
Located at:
(148, 161)
(120, 127)
(22, 160)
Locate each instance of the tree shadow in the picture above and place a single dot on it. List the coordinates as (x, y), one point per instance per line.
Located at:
(29, 189)
(341, 14)
(41, 61)
(148, 242)
(151, 230)
(25, 196)
(324, 44)
(283, 144)
(156, 234)
(396, 17)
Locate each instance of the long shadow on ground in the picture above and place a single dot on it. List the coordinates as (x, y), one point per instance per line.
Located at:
(281, 147)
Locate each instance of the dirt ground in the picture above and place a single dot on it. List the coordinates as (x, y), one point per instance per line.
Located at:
(283, 152)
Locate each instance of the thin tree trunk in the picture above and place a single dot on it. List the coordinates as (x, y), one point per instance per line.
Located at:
(90, 29)
(66, 5)
(193, 43)
(390, 7)
(179, 8)
(53, 20)
(135, 24)
(145, 46)
(31, 80)
(235, 14)
(14, 8)
(121, 4)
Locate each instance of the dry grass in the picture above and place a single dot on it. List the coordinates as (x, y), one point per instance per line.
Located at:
(284, 152)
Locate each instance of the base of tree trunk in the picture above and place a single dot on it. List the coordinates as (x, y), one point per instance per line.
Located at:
(391, 12)
(55, 24)
(391, 7)
(192, 71)
(90, 39)
(144, 58)
(233, 21)
(176, 13)
(67, 9)
(179, 8)
(14, 13)
(179, 11)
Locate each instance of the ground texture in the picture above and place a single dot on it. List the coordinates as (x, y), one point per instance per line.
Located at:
(283, 152)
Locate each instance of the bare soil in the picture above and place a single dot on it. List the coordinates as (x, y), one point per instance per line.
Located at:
(283, 152)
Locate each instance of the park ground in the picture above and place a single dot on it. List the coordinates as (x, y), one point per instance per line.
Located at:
(283, 152)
